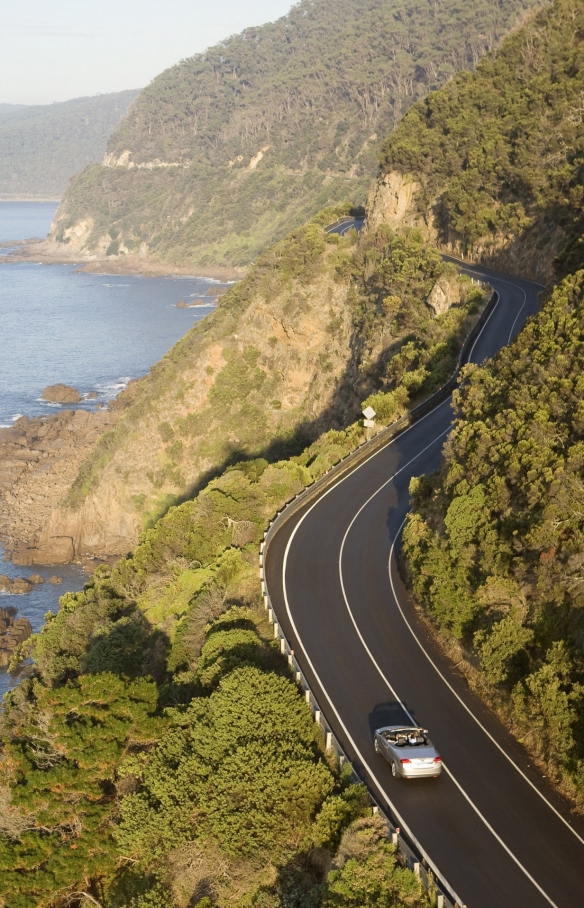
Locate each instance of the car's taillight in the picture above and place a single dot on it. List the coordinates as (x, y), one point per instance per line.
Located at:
(405, 760)
(437, 759)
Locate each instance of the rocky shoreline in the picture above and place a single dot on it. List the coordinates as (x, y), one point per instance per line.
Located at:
(39, 460)
(42, 252)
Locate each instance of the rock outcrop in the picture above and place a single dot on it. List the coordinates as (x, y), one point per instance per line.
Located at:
(39, 459)
(61, 394)
(15, 584)
(13, 632)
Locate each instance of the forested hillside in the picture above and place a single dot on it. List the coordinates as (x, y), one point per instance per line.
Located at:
(495, 544)
(226, 152)
(41, 147)
(496, 156)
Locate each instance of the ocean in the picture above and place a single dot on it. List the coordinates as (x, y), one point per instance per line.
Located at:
(92, 331)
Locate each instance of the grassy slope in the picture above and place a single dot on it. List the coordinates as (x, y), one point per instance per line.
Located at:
(41, 147)
(316, 90)
(499, 153)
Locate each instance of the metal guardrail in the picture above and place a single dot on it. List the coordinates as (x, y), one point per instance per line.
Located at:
(437, 888)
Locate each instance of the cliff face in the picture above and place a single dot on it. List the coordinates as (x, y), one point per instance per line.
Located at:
(39, 459)
(489, 167)
(228, 151)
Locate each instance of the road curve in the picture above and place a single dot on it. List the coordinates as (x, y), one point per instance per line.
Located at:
(492, 825)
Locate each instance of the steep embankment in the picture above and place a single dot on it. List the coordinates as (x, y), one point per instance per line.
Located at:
(316, 326)
(491, 165)
(42, 147)
(228, 151)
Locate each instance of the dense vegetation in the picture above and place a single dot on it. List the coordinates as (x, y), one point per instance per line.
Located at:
(42, 147)
(228, 151)
(495, 544)
(161, 755)
(499, 153)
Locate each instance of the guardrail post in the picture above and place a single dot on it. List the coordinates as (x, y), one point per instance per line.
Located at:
(416, 868)
(271, 615)
(276, 630)
(317, 716)
(439, 900)
(307, 696)
(329, 740)
(395, 839)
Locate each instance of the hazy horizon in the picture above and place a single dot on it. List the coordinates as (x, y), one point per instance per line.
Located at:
(82, 50)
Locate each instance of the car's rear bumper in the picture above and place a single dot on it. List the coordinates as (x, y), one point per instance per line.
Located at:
(420, 772)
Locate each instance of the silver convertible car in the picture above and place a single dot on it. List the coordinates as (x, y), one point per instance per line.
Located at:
(409, 751)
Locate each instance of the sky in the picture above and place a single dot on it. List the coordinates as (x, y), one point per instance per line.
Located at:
(54, 50)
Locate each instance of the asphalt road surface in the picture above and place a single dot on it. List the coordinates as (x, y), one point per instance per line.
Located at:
(491, 823)
(345, 225)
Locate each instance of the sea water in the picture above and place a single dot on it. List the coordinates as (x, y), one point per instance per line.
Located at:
(92, 331)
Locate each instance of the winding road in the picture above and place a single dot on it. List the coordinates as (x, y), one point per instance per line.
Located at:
(491, 824)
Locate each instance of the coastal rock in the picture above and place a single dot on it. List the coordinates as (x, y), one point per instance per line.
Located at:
(36, 578)
(54, 579)
(55, 550)
(181, 305)
(39, 459)
(15, 584)
(61, 394)
(13, 632)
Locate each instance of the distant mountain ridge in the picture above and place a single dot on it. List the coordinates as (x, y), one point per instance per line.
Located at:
(226, 152)
(42, 146)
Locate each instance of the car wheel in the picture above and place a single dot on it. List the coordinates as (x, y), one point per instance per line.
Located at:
(376, 745)
(393, 770)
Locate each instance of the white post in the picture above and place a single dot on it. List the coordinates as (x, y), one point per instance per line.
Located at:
(329, 740)
(307, 696)
(276, 630)
(283, 646)
(270, 615)
(317, 716)
(439, 900)
(416, 868)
